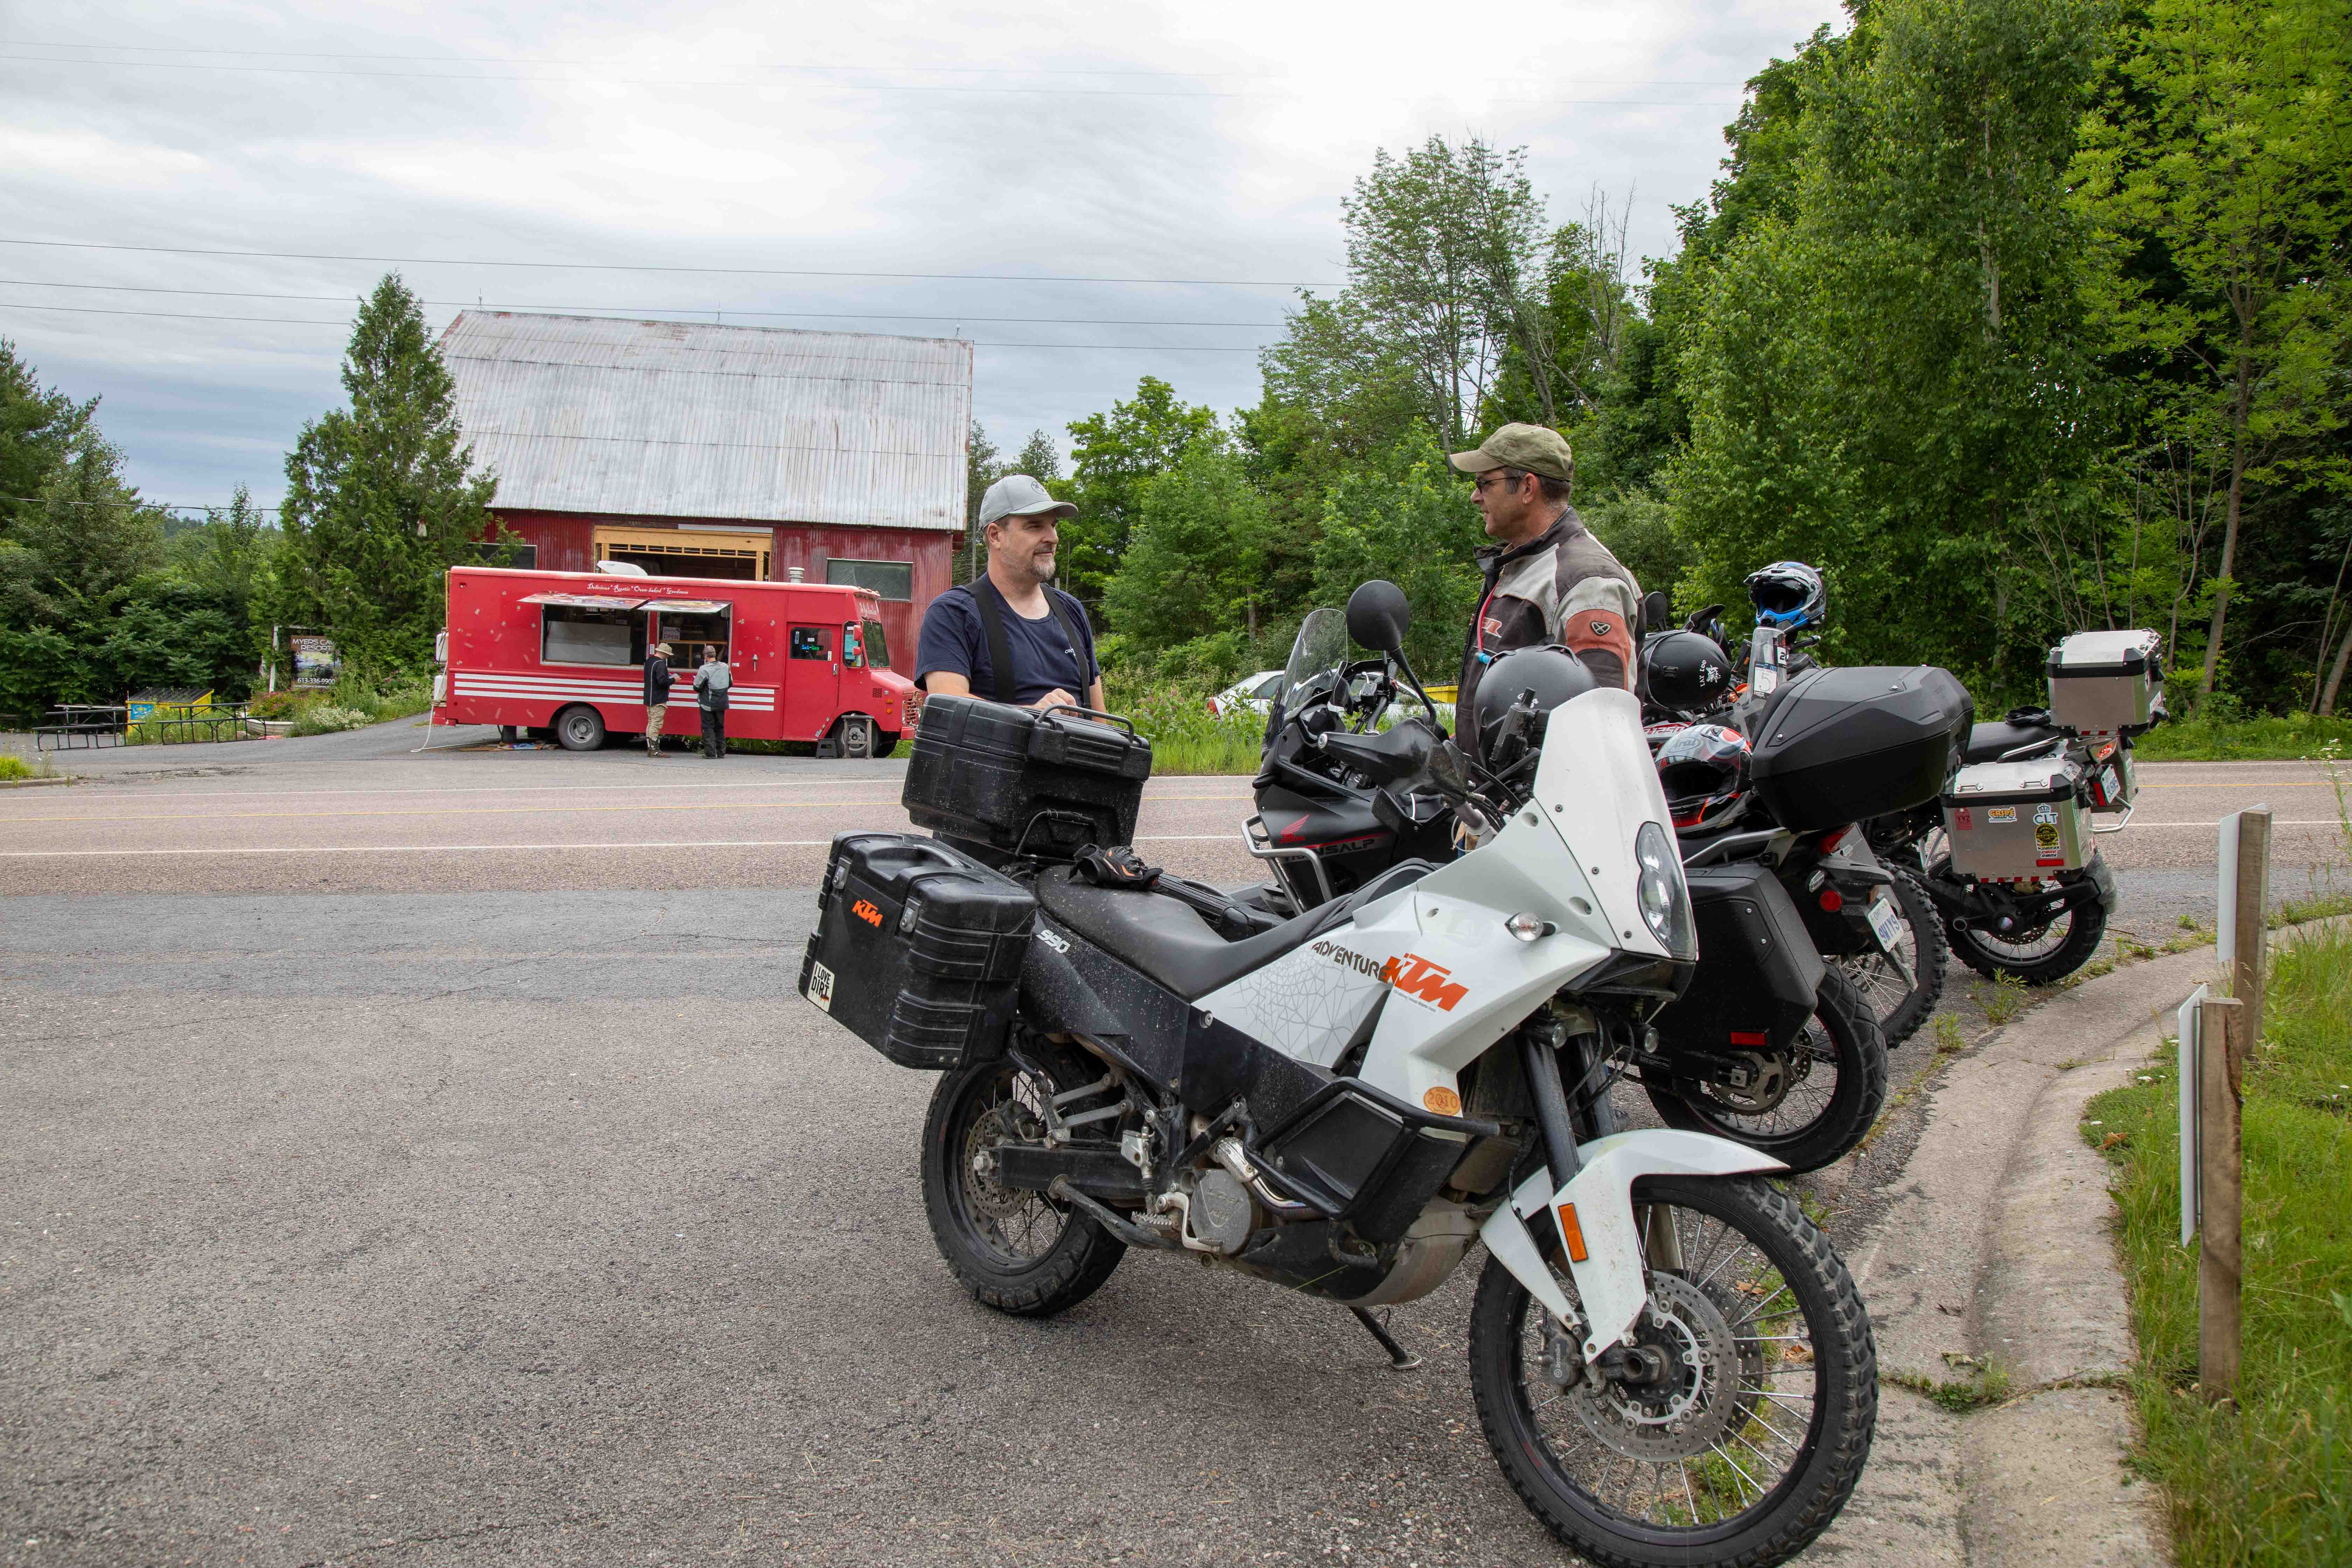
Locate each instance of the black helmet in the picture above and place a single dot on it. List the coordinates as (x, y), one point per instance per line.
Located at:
(1703, 769)
(1684, 672)
(1789, 595)
(1533, 679)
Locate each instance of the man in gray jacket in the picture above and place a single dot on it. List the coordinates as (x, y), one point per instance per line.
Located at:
(711, 684)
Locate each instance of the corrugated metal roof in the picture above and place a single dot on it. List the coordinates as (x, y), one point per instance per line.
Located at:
(696, 419)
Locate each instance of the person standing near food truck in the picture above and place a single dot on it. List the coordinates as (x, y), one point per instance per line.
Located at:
(658, 681)
(1010, 634)
(711, 684)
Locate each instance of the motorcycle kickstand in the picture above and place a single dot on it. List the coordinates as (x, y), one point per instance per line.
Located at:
(1399, 1358)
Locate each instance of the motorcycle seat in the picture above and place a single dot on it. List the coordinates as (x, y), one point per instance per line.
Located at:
(1987, 742)
(1167, 940)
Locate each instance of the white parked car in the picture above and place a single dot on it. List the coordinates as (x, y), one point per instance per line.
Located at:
(1253, 692)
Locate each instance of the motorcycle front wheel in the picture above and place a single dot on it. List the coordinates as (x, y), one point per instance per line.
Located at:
(1806, 1107)
(1756, 1414)
(1015, 1250)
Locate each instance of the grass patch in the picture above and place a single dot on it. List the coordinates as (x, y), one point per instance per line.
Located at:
(2261, 738)
(1186, 738)
(2269, 1481)
(2002, 1000)
(14, 767)
(354, 701)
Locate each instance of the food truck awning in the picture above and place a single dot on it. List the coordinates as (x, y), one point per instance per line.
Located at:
(584, 601)
(692, 606)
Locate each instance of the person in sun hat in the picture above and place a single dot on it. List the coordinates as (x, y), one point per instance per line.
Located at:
(658, 680)
(1010, 634)
(1547, 578)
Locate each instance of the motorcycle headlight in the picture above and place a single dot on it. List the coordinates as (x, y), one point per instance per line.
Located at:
(1665, 902)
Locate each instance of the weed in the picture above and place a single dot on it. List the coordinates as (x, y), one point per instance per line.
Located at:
(14, 767)
(1987, 1382)
(2002, 1000)
(1949, 1041)
(2188, 922)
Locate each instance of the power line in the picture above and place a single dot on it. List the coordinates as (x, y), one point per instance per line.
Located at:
(742, 84)
(809, 66)
(631, 267)
(647, 309)
(313, 322)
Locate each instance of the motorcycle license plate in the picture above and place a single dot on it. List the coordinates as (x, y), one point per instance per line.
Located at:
(1884, 922)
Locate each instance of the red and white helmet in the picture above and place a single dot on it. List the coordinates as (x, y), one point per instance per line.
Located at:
(1704, 770)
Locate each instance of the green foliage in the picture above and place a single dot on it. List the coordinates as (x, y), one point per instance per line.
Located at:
(2268, 1481)
(1192, 565)
(38, 426)
(379, 498)
(1186, 738)
(1408, 518)
(2211, 738)
(1115, 457)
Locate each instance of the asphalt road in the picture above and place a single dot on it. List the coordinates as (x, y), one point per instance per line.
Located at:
(420, 1159)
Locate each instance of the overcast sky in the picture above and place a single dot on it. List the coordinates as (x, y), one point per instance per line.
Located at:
(1201, 148)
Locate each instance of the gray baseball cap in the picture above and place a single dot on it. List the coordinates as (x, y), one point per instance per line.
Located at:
(1018, 495)
(1529, 446)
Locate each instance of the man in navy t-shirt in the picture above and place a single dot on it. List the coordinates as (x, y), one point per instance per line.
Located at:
(1014, 612)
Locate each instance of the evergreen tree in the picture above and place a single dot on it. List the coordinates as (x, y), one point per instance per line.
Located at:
(379, 500)
(37, 428)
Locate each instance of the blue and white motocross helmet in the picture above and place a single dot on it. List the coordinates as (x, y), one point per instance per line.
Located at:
(1789, 595)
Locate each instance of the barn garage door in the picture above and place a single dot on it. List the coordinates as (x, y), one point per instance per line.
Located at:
(673, 552)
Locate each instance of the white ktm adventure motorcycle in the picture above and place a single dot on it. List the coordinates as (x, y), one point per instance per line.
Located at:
(1669, 1360)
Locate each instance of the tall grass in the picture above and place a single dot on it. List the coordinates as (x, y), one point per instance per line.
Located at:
(1186, 738)
(2212, 736)
(2268, 1481)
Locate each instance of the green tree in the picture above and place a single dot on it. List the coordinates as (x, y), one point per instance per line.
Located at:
(1407, 518)
(1192, 564)
(1039, 458)
(2218, 171)
(379, 500)
(38, 428)
(68, 567)
(982, 469)
(1113, 458)
(1887, 369)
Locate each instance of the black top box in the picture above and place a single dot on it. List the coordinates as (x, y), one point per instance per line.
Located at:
(1841, 746)
(1017, 781)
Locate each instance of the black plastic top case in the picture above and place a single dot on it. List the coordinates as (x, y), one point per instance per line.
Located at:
(1841, 746)
(1018, 781)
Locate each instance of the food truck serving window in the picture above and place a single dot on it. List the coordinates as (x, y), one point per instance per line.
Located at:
(689, 625)
(599, 634)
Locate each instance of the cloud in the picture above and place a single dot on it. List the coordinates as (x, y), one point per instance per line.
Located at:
(1211, 140)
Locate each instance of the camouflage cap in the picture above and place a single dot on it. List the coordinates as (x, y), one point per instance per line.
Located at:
(1529, 446)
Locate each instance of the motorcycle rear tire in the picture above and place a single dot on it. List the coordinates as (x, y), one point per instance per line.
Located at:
(1859, 1053)
(2087, 930)
(1057, 1276)
(1837, 1431)
(1930, 953)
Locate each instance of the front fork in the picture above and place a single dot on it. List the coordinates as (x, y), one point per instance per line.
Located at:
(1609, 1246)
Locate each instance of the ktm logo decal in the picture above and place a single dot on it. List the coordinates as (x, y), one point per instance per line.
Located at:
(864, 911)
(1432, 982)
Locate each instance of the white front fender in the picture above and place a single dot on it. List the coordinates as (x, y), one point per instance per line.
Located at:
(1595, 1214)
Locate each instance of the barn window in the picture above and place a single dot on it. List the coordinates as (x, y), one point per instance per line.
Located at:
(885, 579)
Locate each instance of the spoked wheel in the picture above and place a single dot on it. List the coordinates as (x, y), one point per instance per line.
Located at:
(2037, 955)
(1805, 1105)
(1017, 1250)
(1736, 1431)
(1900, 1006)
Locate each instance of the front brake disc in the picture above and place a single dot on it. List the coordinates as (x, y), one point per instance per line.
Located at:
(1691, 1409)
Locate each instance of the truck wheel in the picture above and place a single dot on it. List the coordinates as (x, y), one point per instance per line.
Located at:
(857, 736)
(579, 728)
(885, 742)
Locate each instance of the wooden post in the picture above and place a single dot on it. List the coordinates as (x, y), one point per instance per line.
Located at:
(2218, 1258)
(2250, 899)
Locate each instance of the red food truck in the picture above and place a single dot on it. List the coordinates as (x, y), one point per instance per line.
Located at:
(564, 652)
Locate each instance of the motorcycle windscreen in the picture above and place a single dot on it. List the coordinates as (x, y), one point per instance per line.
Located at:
(1321, 645)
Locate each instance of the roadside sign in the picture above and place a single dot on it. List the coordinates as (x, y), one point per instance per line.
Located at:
(315, 663)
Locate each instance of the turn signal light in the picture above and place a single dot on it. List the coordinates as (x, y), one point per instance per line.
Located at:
(1572, 1233)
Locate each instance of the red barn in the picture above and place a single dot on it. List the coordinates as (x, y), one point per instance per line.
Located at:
(700, 450)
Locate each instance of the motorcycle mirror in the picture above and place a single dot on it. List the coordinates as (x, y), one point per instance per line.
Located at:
(1378, 616)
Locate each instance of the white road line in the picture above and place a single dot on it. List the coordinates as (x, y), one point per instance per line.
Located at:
(497, 848)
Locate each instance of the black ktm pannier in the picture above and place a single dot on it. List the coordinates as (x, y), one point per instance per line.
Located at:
(1016, 781)
(917, 948)
(1841, 746)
